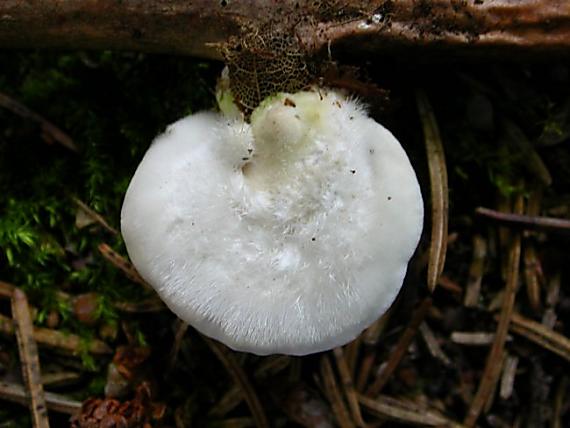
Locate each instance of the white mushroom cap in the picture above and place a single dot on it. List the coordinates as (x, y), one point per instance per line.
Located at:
(288, 235)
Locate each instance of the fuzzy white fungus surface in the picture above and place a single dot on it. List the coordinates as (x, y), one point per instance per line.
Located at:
(287, 235)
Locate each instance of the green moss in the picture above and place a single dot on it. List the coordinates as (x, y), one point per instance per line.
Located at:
(112, 105)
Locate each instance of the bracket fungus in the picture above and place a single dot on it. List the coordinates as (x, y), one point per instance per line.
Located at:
(288, 233)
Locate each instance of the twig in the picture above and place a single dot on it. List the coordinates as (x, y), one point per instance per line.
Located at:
(351, 352)
(6, 290)
(372, 334)
(98, 218)
(370, 339)
(152, 304)
(229, 401)
(405, 412)
(348, 386)
(546, 224)
(272, 365)
(552, 296)
(432, 344)
(58, 403)
(57, 339)
(504, 233)
(333, 394)
(49, 130)
(365, 368)
(508, 377)
(400, 348)
(493, 364)
(58, 379)
(493, 392)
(450, 285)
(476, 270)
(531, 159)
(180, 328)
(478, 338)
(122, 264)
(439, 189)
(238, 375)
(559, 402)
(233, 397)
(541, 335)
(29, 359)
(531, 261)
(531, 277)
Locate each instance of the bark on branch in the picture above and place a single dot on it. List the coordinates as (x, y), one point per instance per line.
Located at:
(480, 27)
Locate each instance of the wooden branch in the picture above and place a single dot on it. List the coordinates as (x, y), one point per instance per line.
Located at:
(50, 132)
(95, 216)
(556, 225)
(58, 403)
(58, 340)
(332, 391)
(29, 359)
(541, 335)
(348, 387)
(533, 27)
(124, 265)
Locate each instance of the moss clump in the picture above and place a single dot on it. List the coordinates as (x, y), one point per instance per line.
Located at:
(112, 105)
